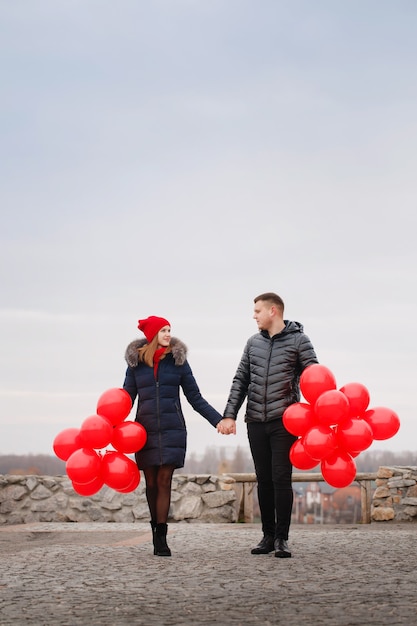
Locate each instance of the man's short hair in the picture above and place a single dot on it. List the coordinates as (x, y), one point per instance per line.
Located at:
(273, 298)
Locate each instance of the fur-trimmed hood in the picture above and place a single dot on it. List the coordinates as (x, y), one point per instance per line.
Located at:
(178, 349)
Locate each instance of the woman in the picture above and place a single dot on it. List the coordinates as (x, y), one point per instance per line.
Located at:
(157, 369)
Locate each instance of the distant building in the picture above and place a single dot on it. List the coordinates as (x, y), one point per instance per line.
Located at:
(319, 503)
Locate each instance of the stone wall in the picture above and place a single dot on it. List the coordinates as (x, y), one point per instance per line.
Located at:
(395, 496)
(27, 499)
(199, 498)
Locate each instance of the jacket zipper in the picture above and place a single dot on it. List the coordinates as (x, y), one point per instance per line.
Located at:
(266, 379)
(158, 417)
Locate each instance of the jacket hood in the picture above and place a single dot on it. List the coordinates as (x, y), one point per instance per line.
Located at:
(178, 350)
(290, 327)
(293, 327)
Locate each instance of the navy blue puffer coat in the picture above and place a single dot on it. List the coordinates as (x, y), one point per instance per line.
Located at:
(269, 373)
(159, 408)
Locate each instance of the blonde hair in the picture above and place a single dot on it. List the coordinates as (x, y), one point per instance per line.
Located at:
(146, 352)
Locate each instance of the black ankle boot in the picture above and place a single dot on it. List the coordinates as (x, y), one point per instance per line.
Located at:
(161, 546)
(153, 526)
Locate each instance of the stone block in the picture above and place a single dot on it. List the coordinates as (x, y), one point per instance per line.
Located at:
(125, 516)
(141, 511)
(208, 487)
(188, 507)
(16, 518)
(382, 514)
(130, 499)
(51, 482)
(191, 488)
(201, 479)
(7, 507)
(98, 514)
(409, 501)
(46, 517)
(14, 479)
(219, 515)
(411, 511)
(180, 479)
(398, 483)
(31, 482)
(12, 492)
(111, 506)
(381, 492)
(79, 504)
(44, 505)
(40, 493)
(385, 472)
(218, 498)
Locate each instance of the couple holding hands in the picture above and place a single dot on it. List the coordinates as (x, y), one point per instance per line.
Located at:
(267, 377)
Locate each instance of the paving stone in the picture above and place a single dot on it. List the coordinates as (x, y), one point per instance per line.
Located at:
(100, 574)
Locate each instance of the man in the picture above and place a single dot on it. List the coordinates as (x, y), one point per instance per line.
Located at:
(268, 376)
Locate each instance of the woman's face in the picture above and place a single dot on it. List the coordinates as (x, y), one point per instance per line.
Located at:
(164, 337)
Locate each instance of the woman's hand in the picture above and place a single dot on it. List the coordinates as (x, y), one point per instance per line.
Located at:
(227, 426)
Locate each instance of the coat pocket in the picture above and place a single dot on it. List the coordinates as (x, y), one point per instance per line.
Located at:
(180, 415)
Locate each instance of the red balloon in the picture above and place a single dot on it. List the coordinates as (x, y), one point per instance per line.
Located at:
(134, 482)
(384, 422)
(129, 437)
(338, 469)
(298, 418)
(319, 441)
(299, 457)
(314, 380)
(118, 470)
(354, 435)
(115, 404)
(332, 407)
(358, 397)
(88, 489)
(83, 466)
(66, 442)
(96, 432)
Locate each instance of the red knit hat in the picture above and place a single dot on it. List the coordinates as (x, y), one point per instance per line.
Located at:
(151, 326)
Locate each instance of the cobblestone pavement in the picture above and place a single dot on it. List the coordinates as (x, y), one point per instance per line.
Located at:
(106, 574)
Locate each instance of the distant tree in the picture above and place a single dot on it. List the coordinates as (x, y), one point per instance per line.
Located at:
(371, 460)
(215, 460)
(242, 461)
(39, 464)
(219, 461)
(191, 464)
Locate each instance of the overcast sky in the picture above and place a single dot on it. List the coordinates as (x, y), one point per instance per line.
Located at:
(179, 157)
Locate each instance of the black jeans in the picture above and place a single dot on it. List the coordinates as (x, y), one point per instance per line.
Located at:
(270, 445)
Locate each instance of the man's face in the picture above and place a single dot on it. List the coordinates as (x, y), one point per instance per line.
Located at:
(262, 315)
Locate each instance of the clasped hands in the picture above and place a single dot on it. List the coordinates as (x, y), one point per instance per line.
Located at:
(227, 426)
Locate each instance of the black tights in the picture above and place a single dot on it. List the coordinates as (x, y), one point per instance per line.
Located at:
(158, 491)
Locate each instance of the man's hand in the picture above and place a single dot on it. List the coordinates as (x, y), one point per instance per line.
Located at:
(227, 426)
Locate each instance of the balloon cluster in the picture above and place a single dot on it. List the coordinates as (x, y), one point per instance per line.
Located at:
(335, 425)
(87, 465)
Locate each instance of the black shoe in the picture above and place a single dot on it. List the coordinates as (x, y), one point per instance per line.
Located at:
(153, 526)
(282, 550)
(265, 545)
(161, 546)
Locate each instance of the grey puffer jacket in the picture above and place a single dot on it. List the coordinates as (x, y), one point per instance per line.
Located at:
(269, 372)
